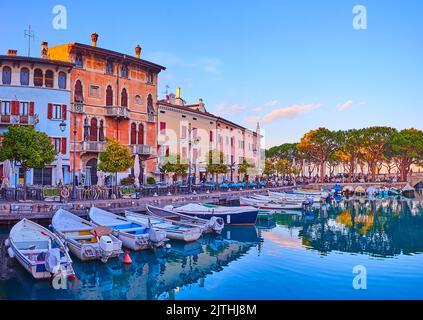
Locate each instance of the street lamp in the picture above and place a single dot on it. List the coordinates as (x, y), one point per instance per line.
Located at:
(190, 142)
(62, 126)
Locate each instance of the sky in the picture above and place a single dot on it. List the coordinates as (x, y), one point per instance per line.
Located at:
(293, 65)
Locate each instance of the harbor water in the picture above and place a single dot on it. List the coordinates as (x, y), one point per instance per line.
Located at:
(292, 256)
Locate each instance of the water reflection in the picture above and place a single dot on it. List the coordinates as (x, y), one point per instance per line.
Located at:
(382, 228)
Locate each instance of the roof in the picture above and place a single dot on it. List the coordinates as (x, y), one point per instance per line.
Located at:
(36, 60)
(118, 55)
(187, 108)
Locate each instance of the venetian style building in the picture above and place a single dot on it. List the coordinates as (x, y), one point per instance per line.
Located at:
(114, 96)
(179, 123)
(36, 92)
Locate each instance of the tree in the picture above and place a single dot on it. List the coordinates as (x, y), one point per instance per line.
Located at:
(175, 164)
(318, 144)
(247, 167)
(115, 158)
(374, 144)
(349, 149)
(269, 167)
(28, 148)
(407, 148)
(283, 167)
(215, 163)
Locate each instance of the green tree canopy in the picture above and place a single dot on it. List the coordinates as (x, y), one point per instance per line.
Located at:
(215, 162)
(28, 147)
(115, 158)
(174, 164)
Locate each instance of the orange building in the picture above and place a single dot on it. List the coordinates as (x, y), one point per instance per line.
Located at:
(114, 96)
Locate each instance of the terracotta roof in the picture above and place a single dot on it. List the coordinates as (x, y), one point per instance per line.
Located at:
(36, 60)
(111, 53)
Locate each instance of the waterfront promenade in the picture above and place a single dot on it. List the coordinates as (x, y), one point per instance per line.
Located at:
(42, 210)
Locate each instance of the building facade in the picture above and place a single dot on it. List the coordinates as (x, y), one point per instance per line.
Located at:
(113, 96)
(36, 92)
(179, 123)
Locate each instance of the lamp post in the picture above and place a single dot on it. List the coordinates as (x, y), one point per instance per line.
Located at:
(190, 142)
(62, 126)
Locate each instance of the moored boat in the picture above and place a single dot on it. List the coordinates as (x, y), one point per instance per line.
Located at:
(135, 236)
(231, 215)
(408, 191)
(212, 225)
(39, 251)
(84, 239)
(171, 228)
(263, 204)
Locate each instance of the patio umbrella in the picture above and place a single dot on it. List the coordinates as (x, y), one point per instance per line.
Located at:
(87, 177)
(59, 169)
(6, 174)
(100, 176)
(137, 171)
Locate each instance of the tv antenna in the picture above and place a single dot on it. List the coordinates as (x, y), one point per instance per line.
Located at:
(167, 89)
(30, 34)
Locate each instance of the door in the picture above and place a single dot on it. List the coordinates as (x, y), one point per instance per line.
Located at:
(92, 170)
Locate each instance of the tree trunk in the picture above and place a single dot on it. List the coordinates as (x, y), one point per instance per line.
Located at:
(322, 170)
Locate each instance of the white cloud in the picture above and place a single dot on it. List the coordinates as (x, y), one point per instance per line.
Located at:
(290, 112)
(222, 109)
(345, 106)
(271, 103)
(252, 120)
(256, 110)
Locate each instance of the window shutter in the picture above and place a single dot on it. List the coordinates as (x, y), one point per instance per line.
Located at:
(31, 108)
(50, 111)
(63, 148)
(64, 108)
(15, 108)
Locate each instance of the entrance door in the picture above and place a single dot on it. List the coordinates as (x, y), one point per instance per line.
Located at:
(92, 165)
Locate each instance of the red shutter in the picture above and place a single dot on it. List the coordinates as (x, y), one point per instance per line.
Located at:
(64, 109)
(167, 151)
(31, 108)
(63, 149)
(50, 111)
(15, 108)
(1, 171)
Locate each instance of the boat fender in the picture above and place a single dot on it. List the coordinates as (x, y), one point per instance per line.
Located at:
(168, 246)
(7, 243)
(10, 252)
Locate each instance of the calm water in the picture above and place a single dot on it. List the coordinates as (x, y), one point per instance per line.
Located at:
(291, 257)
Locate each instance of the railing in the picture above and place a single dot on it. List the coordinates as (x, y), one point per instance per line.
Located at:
(117, 112)
(141, 149)
(93, 146)
(18, 119)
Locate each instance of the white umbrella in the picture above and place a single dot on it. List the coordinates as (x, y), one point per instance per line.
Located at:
(100, 176)
(59, 169)
(137, 171)
(6, 174)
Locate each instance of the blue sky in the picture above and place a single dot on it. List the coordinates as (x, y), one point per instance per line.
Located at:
(294, 65)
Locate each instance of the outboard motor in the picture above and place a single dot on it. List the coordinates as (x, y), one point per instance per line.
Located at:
(216, 224)
(106, 248)
(156, 237)
(52, 261)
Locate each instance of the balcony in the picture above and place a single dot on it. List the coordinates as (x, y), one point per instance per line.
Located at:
(92, 146)
(117, 112)
(18, 120)
(141, 149)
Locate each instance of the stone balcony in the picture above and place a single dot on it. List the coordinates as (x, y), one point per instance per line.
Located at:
(89, 146)
(18, 120)
(141, 149)
(118, 112)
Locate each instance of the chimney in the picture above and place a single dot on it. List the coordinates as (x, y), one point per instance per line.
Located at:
(44, 49)
(94, 38)
(178, 100)
(201, 105)
(178, 93)
(12, 52)
(138, 51)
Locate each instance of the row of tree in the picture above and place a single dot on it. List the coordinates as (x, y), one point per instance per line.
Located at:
(373, 148)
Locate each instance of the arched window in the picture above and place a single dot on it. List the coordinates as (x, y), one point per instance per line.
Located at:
(138, 99)
(7, 75)
(78, 95)
(101, 131)
(133, 133)
(78, 61)
(49, 79)
(61, 82)
(93, 130)
(150, 107)
(38, 78)
(109, 96)
(124, 98)
(140, 134)
(24, 77)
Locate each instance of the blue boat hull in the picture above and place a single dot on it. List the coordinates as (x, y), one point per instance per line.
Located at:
(240, 219)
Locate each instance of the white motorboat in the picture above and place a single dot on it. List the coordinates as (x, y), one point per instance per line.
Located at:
(171, 228)
(84, 239)
(135, 236)
(39, 251)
